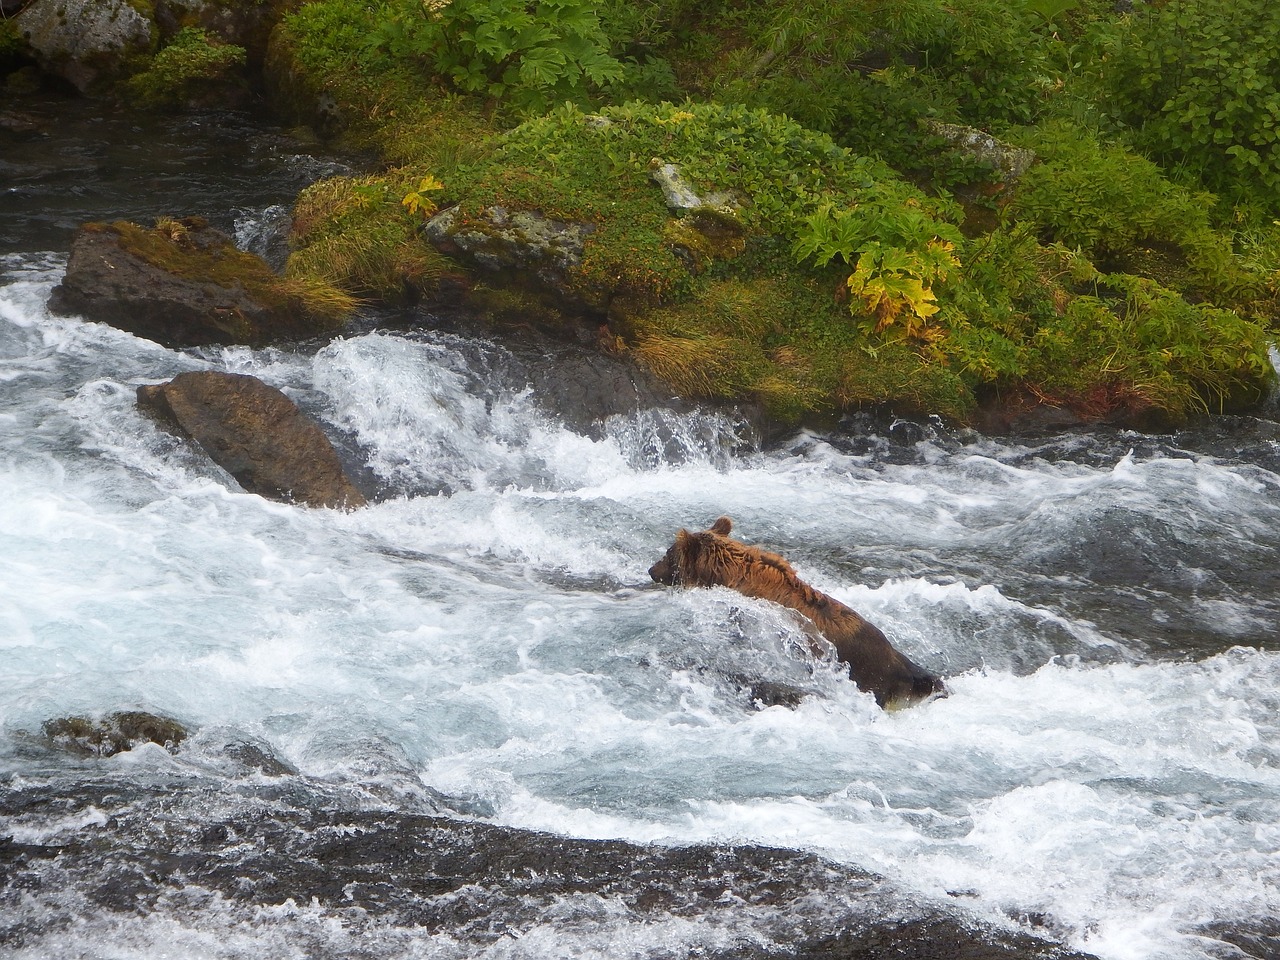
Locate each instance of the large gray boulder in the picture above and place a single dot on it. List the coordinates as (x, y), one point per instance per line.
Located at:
(86, 42)
(255, 433)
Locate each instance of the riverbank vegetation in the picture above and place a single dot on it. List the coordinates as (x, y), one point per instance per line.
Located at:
(843, 245)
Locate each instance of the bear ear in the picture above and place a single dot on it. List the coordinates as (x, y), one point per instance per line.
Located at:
(722, 526)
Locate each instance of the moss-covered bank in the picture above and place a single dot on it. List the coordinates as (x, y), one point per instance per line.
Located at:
(814, 277)
(804, 272)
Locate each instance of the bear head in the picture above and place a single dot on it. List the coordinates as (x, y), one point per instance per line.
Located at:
(680, 565)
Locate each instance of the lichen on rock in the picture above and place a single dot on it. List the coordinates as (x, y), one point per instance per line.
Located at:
(679, 194)
(86, 42)
(498, 239)
(1007, 161)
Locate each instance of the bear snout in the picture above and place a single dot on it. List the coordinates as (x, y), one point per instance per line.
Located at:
(661, 572)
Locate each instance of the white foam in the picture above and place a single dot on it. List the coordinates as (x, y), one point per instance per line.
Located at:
(483, 632)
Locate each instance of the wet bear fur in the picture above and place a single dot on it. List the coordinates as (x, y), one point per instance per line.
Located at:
(711, 558)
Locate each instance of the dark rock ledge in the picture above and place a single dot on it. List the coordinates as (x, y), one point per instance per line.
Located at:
(473, 883)
(183, 283)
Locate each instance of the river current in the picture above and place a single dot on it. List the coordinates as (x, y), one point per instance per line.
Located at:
(483, 641)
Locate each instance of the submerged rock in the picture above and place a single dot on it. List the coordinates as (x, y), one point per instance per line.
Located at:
(257, 756)
(255, 433)
(114, 733)
(183, 283)
(391, 877)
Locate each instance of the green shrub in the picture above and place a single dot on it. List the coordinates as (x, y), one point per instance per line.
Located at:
(1102, 198)
(390, 106)
(1113, 204)
(531, 55)
(191, 59)
(866, 73)
(896, 251)
(1180, 356)
(1198, 81)
(330, 41)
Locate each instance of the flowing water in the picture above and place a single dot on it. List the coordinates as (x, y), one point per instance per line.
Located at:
(483, 641)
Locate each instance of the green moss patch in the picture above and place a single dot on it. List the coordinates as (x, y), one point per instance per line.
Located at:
(192, 60)
(357, 233)
(783, 338)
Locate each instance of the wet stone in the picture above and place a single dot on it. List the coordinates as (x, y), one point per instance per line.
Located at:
(476, 883)
(255, 433)
(114, 733)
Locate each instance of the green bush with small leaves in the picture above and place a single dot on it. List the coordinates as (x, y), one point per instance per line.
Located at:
(1182, 357)
(1198, 84)
(1111, 203)
(1101, 198)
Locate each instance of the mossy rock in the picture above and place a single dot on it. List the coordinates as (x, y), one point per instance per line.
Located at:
(182, 283)
(819, 279)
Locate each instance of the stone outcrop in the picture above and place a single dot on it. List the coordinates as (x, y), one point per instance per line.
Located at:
(679, 195)
(185, 284)
(255, 433)
(1008, 162)
(85, 42)
(500, 240)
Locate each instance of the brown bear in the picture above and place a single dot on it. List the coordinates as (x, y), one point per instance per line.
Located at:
(711, 558)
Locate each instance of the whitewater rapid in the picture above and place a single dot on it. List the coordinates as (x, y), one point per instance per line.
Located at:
(1106, 766)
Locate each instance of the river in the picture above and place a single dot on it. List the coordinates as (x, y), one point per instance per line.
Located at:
(480, 652)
